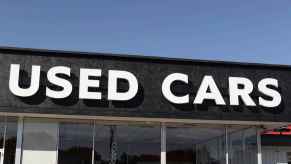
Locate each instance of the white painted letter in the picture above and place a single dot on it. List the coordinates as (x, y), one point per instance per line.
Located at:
(166, 88)
(263, 87)
(235, 92)
(66, 85)
(14, 81)
(213, 94)
(113, 76)
(85, 83)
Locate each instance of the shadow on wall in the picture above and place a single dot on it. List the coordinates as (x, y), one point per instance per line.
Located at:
(73, 99)
(178, 88)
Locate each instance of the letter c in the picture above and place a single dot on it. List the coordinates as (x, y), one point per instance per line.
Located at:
(166, 88)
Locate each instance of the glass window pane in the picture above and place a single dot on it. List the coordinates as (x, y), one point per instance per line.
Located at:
(243, 146)
(2, 131)
(127, 144)
(39, 142)
(276, 145)
(195, 145)
(251, 146)
(75, 143)
(138, 144)
(10, 140)
(102, 144)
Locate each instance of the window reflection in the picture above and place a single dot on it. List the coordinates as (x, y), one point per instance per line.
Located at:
(276, 145)
(10, 140)
(243, 146)
(2, 131)
(138, 144)
(101, 144)
(39, 144)
(120, 143)
(75, 143)
(8, 132)
(127, 144)
(193, 145)
(212, 151)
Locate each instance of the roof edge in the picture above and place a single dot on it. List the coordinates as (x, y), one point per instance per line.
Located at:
(84, 54)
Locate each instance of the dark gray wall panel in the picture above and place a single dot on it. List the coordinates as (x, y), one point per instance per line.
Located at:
(150, 73)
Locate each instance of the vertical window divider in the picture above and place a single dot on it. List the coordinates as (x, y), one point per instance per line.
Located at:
(196, 153)
(4, 139)
(18, 152)
(226, 146)
(93, 145)
(58, 142)
(259, 146)
(163, 144)
(244, 143)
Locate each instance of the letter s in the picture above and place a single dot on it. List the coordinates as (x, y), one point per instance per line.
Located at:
(263, 87)
(66, 85)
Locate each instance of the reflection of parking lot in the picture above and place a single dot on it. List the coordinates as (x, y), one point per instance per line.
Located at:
(276, 146)
(276, 155)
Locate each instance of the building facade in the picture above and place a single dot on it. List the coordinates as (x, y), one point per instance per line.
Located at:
(61, 107)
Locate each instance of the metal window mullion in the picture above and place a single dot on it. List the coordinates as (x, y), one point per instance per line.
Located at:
(163, 144)
(93, 146)
(18, 152)
(58, 142)
(259, 146)
(4, 139)
(196, 153)
(244, 146)
(226, 146)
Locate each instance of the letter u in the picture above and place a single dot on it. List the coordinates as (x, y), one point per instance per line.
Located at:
(14, 81)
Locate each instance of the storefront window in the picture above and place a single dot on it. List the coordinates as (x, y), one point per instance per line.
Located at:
(40, 139)
(138, 144)
(251, 145)
(243, 146)
(2, 134)
(211, 151)
(193, 145)
(8, 133)
(75, 143)
(102, 144)
(10, 140)
(276, 145)
(62, 142)
(127, 144)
